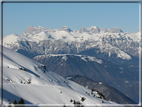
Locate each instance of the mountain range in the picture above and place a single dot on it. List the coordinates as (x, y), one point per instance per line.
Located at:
(43, 41)
(117, 49)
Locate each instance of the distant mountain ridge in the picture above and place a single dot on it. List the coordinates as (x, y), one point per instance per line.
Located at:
(112, 43)
(92, 29)
(109, 92)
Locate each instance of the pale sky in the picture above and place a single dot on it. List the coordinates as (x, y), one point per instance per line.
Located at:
(18, 16)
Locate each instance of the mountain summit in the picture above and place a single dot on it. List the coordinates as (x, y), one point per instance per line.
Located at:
(65, 28)
(115, 30)
(93, 29)
(30, 29)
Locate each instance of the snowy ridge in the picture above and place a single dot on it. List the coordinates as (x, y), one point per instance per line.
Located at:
(44, 34)
(27, 79)
(65, 57)
(68, 37)
(114, 41)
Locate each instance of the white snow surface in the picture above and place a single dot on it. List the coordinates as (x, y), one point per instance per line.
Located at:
(41, 34)
(65, 36)
(65, 57)
(45, 88)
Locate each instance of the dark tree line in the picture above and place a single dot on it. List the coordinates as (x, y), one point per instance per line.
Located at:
(21, 102)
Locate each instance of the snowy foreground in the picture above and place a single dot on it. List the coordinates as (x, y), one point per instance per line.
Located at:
(30, 80)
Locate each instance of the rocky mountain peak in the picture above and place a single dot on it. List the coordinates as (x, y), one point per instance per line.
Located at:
(30, 29)
(93, 29)
(115, 30)
(65, 28)
(82, 29)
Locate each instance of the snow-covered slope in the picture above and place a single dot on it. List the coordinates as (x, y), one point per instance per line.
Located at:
(64, 56)
(27, 79)
(45, 34)
(113, 41)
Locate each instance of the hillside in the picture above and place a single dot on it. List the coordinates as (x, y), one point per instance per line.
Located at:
(30, 80)
(120, 77)
(109, 92)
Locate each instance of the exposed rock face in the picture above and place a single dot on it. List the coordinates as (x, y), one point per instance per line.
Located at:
(82, 29)
(30, 29)
(106, 52)
(93, 29)
(33, 30)
(65, 28)
(115, 30)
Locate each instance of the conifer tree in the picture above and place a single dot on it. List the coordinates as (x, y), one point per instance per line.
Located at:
(15, 103)
(21, 102)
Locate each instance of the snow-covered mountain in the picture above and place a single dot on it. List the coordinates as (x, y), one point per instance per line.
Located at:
(32, 81)
(121, 77)
(111, 43)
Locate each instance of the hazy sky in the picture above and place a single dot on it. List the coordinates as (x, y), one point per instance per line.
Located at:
(18, 16)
